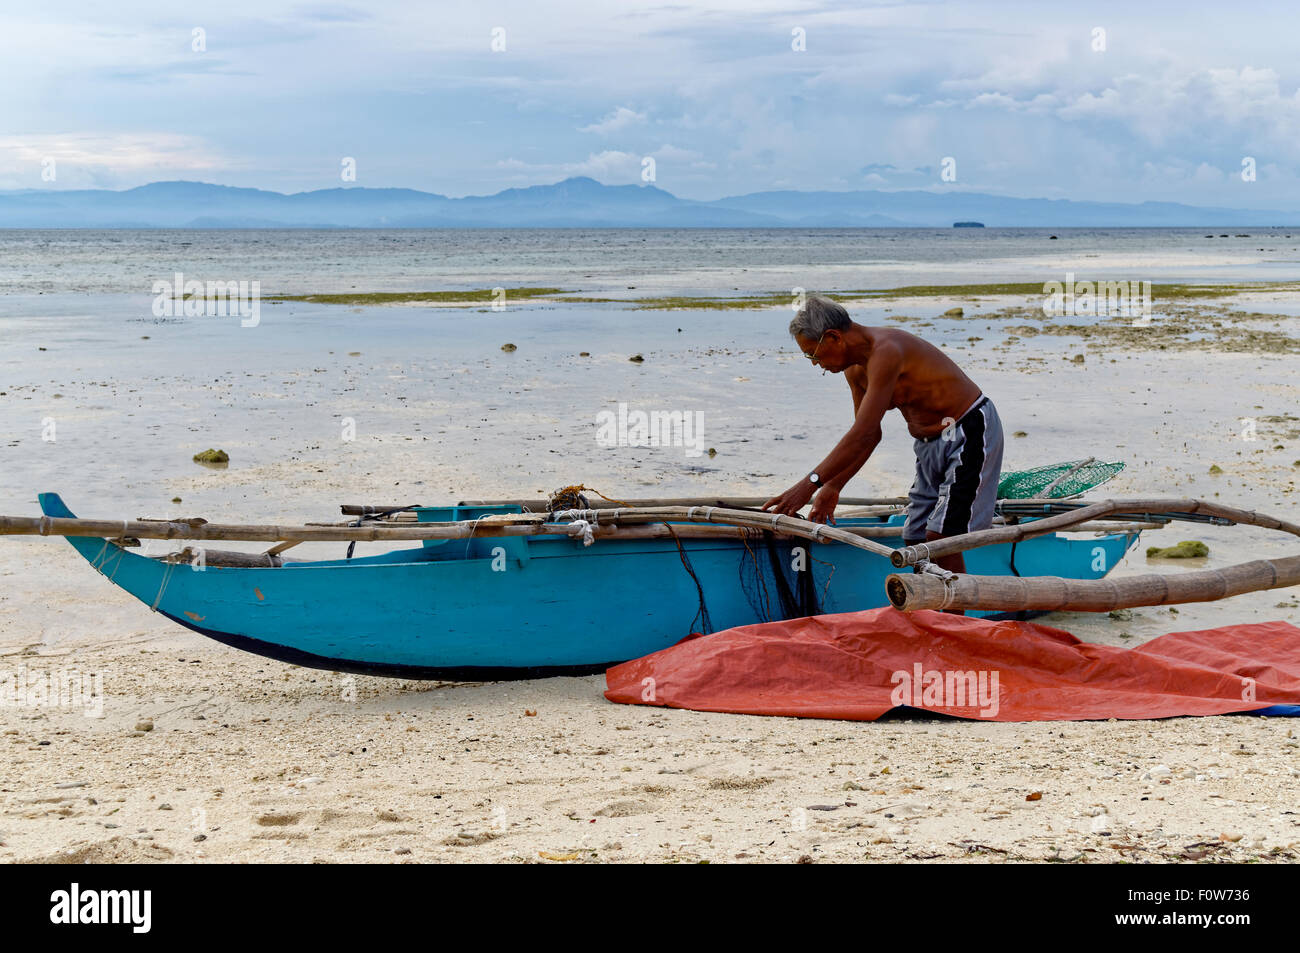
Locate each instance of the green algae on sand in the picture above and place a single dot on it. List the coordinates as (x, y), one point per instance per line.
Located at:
(212, 456)
(472, 296)
(1187, 549)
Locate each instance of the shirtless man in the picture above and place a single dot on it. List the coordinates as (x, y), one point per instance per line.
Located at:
(958, 436)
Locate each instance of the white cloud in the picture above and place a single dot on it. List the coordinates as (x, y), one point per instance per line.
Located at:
(1204, 105)
(620, 118)
(610, 166)
(83, 159)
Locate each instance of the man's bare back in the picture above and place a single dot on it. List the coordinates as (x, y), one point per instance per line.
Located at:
(930, 390)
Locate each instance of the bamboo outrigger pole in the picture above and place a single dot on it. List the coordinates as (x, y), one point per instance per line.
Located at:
(793, 525)
(1053, 593)
(935, 588)
(925, 552)
(504, 525)
(726, 502)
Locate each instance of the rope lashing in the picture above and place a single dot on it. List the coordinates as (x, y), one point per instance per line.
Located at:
(948, 577)
(583, 529)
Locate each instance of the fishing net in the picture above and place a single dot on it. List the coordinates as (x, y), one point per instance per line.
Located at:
(795, 597)
(1057, 481)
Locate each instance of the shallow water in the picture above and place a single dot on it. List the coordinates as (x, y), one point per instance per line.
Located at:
(642, 261)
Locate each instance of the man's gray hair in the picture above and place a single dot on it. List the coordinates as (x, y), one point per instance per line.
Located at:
(818, 316)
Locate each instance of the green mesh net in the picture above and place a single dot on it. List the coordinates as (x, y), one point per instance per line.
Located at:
(1056, 481)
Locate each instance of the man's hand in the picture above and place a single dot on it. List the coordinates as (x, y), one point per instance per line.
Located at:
(823, 510)
(792, 500)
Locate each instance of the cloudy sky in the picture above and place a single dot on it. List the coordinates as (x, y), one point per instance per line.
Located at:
(1097, 101)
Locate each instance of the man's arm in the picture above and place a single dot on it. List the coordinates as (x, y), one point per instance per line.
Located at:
(856, 389)
(856, 446)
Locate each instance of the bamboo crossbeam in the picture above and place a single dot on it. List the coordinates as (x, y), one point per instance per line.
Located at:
(1101, 526)
(726, 502)
(911, 555)
(792, 525)
(199, 530)
(1053, 593)
(269, 533)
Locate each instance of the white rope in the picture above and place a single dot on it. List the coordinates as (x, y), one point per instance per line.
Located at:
(101, 558)
(584, 529)
(947, 575)
(167, 577)
(590, 516)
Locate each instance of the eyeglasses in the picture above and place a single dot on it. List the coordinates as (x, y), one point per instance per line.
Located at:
(813, 355)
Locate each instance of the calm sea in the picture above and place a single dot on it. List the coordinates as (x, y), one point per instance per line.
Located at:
(629, 261)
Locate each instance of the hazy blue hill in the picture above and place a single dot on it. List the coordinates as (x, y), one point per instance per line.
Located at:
(941, 209)
(579, 202)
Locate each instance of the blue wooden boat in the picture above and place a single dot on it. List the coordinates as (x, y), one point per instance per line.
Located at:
(530, 606)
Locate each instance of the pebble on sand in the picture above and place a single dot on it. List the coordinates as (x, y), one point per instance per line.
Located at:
(508, 347)
(144, 726)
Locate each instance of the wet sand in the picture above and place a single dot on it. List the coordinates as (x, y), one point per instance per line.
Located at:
(249, 759)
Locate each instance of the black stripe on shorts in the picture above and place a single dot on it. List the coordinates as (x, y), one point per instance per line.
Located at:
(966, 481)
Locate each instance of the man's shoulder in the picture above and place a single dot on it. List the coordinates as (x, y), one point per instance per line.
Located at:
(892, 337)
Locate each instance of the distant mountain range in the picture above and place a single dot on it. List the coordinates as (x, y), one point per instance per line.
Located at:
(582, 203)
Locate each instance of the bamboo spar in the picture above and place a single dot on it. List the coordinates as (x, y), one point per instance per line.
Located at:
(521, 525)
(930, 590)
(935, 549)
(938, 589)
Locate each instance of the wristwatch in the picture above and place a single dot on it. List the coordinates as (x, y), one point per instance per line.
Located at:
(814, 479)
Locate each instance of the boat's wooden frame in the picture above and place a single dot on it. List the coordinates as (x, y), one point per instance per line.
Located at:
(584, 588)
(932, 588)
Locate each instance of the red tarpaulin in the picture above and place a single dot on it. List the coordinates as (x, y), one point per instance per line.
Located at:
(859, 665)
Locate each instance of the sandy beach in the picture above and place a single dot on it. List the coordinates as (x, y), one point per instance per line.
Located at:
(206, 754)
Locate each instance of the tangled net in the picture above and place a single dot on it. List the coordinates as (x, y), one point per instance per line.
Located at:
(1057, 481)
(571, 498)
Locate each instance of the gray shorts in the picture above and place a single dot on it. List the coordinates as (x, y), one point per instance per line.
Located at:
(956, 476)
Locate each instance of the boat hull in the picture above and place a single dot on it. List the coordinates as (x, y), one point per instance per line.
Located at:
(523, 607)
